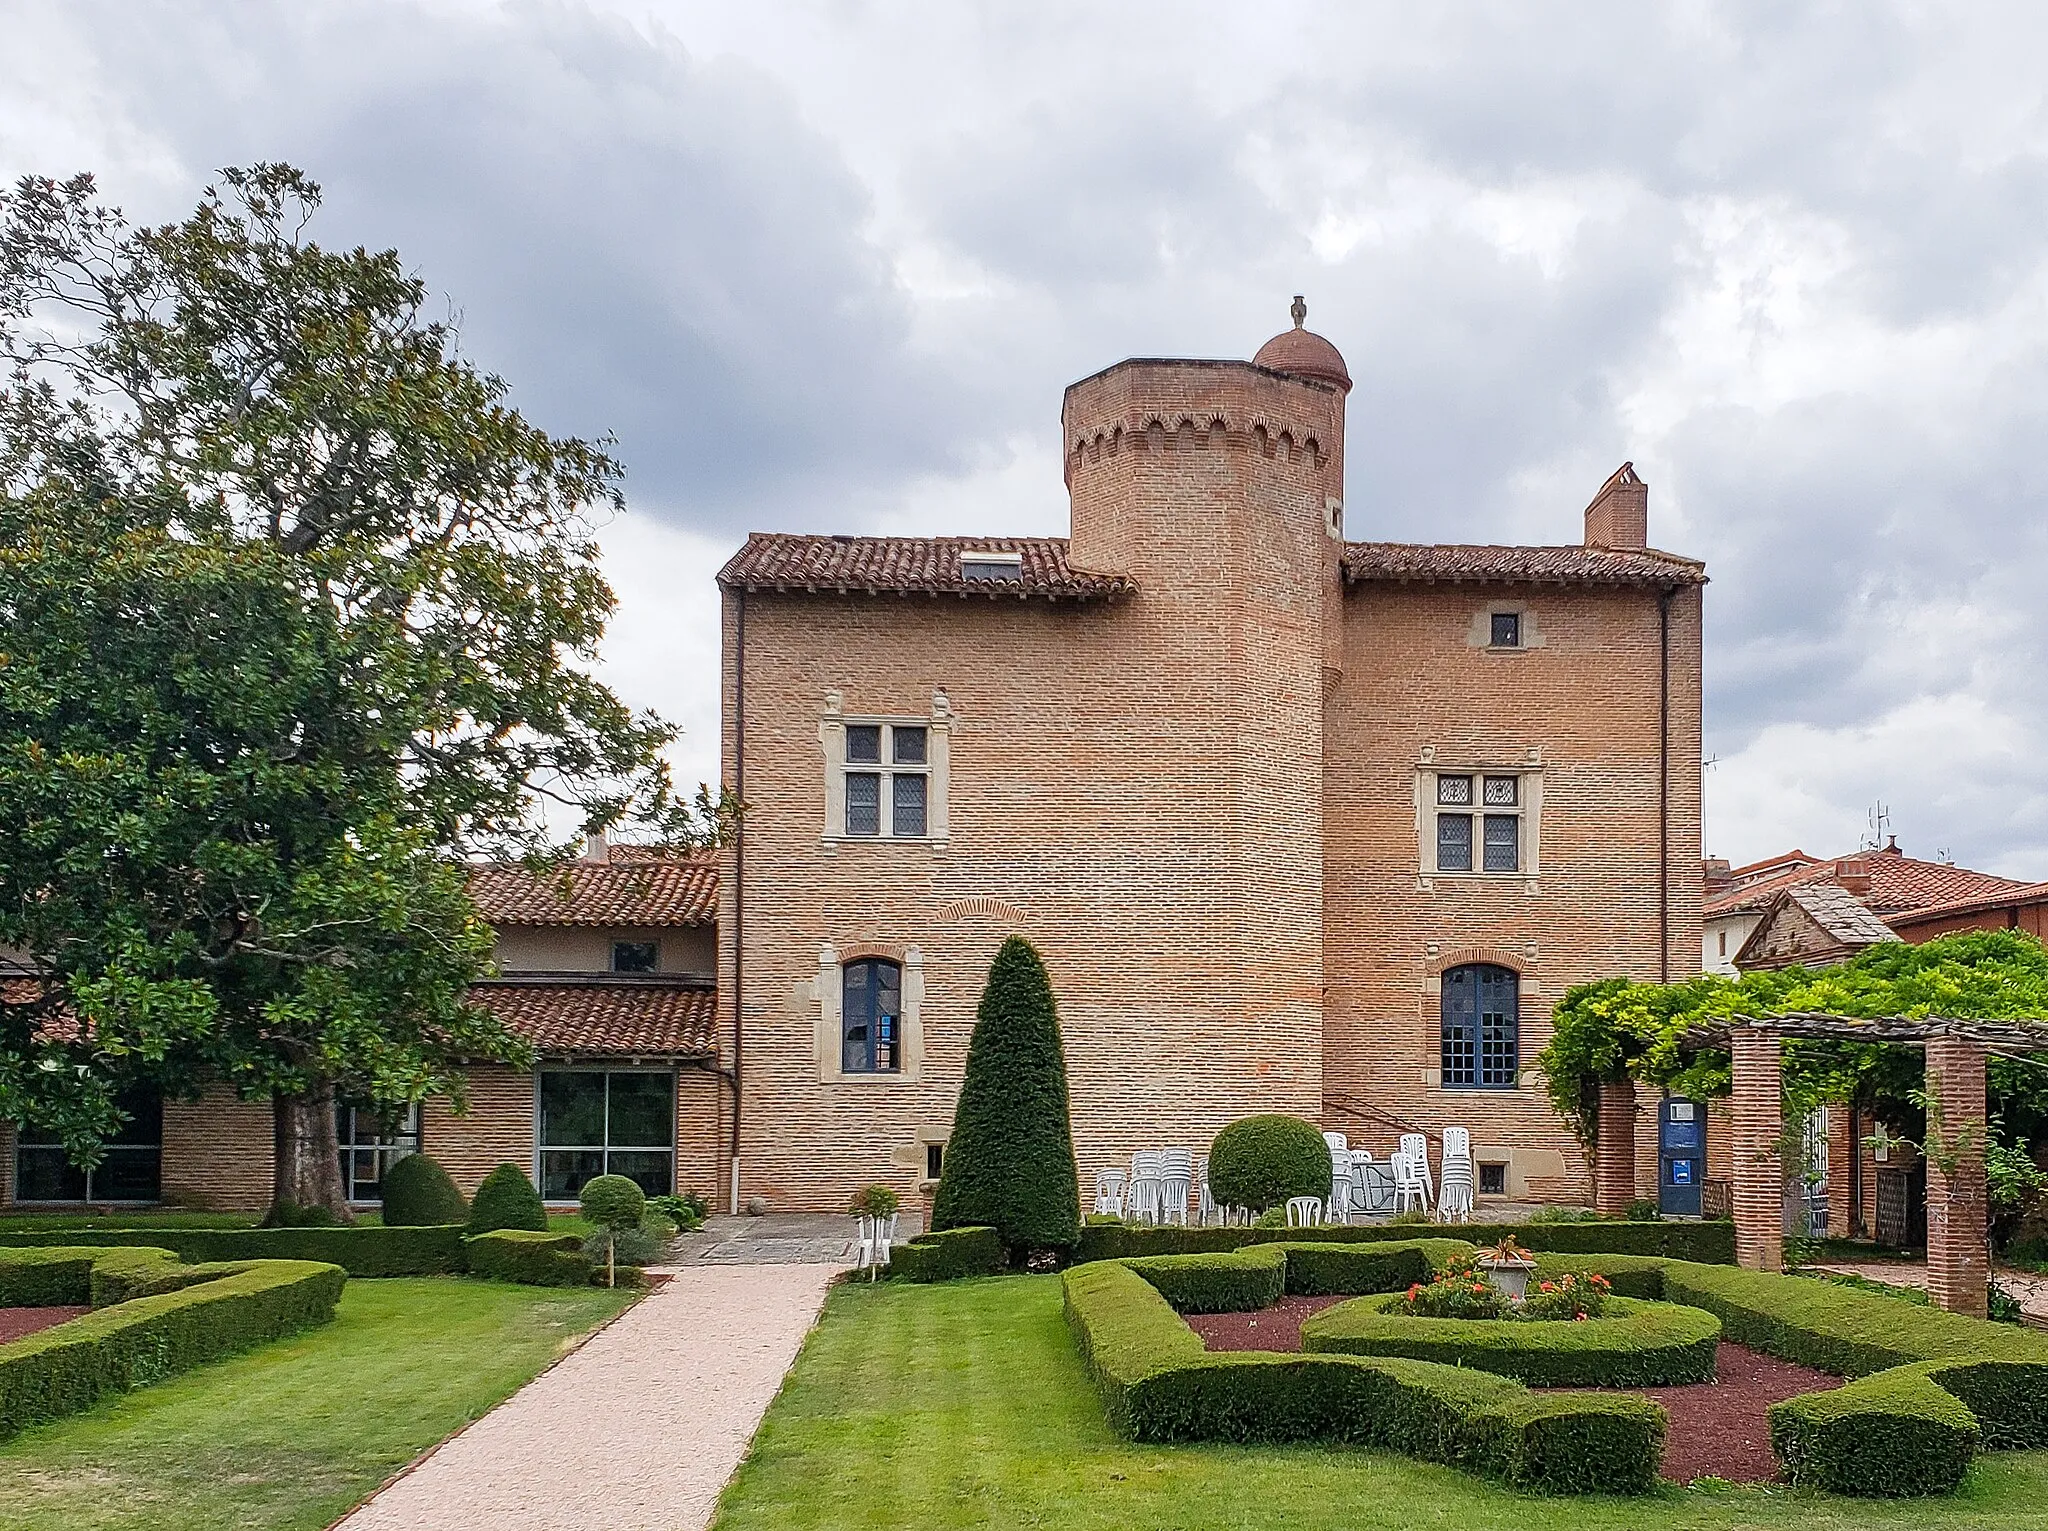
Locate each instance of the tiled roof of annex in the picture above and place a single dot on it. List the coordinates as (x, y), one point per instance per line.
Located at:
(912, 566)
(633, 886)
(609, 1017)
(1898, 884)
(1840, 913)
(1428, 563)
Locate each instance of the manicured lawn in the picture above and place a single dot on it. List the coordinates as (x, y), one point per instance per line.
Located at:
(142, 1217)
(964, 1405)
(293, 1434)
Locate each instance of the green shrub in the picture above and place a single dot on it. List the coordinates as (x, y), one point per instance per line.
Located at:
(1241, 1282)
(948, 1255)
(419, 1194)
(286, 1213)
(507, 1199)
(1158, 1383)
(685, 1211)
(529, 1257)
(1265, 1161)
(1009, 1163)
(612, 1201)
(1889, 1435)
(1708, 1243)
(1643, 1210)
(1317, 1269)
(629, 1246)
(1641, 1345)
(360, 1251)
(1258, 1276)
(875, 1201)
(70, 1367)
(1626, 1275)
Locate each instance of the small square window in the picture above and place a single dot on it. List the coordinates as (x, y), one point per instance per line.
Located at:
(909, 745)
(1500, 791)
(1454, 842)
(635, 956)
(864, 743)
(863, 803)
(1493, 1180)
(1454, 789)
(1507, 630)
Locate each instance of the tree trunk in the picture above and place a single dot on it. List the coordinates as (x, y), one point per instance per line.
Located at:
(308, 1153)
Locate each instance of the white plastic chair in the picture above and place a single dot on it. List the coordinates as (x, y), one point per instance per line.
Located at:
(1411, 1188)
(1454, 1198)
(1336, 1142)
(1416, 1147)
(1304, 1211)
(1144, 1200)
(874, 1235)
(1109, 1193)
(1206, 1207)
(1340, 1180)
(1176, 1181)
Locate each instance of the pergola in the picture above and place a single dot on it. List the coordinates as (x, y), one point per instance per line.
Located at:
(1958, 1272)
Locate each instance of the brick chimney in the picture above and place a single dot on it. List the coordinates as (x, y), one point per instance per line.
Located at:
(1853, 873)
(596, 847)
(1714, 870)
(1619, 516)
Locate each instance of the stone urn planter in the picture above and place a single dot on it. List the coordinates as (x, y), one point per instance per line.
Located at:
(1507, 1265)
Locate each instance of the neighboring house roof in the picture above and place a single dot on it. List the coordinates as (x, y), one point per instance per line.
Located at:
(1423, 563)
(635, 886)
(2007, 898)
(1898, 883)
(1840, 913)
(605, 1017)
(1811, 922)
(912, 566)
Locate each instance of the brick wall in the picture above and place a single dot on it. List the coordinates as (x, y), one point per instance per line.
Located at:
(219, 1152)
(497, 1128)
(1758, 1110)
(1956, 1265)
(1614, 1169)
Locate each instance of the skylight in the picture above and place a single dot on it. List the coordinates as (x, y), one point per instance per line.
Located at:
(987, 563)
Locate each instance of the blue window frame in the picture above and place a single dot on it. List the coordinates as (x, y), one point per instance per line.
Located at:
(1482, 1027)
(871, 1008)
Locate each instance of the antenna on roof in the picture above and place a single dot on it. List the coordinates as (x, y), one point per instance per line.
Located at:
(1880, 820)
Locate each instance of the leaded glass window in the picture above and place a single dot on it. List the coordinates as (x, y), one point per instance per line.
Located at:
(1481, 1027)
(870, 1017)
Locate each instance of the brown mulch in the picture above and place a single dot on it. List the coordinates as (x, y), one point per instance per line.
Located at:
(1719, 1429)
(19, 1323)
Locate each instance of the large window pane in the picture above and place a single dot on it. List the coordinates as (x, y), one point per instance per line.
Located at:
(128, 1174)
(909, 817)
(654, 1173)
(1503, 842)
(563, 1172)
(43, 1173)
(643, 1110)
(572, 1108)
(1454, 842)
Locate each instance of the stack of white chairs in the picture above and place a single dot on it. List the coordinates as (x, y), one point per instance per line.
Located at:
(874, 1236)
(1366, 1175)
(1416, 1147)
(1411, 1182)
(1206, 1207)
(1304, 1211)
(1176, 1181)
(1340, 1177)
(1454, 1196)
(1109, 1193)
(1144, 1199)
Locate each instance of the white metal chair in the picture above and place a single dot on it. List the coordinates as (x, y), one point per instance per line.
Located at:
(1144, 1200)
(1109, 1193)
(1176, 1181)
(1411, 1188)
(1416, 1147)
(874, 1236)
(1304, 1211)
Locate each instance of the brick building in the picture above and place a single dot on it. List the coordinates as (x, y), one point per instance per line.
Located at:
(1299, 823)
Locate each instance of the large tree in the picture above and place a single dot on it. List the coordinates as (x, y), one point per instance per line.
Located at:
(298, 613)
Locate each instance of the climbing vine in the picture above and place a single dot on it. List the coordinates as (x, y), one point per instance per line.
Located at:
(1618, 1029)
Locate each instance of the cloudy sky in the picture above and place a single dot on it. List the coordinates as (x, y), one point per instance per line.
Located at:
(828, 267)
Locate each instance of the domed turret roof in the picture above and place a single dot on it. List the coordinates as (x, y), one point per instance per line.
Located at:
(1304, 353)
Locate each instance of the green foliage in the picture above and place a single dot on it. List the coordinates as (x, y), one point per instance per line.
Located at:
(286, 1213)
(1458, 1291)
(875, 1201)
(685, 1211)
(641, 1244)
(146, 1338)
(507, 1199)
(528, 1257)
(418, 1193)
(1260, 1274)
(1009, 1164)
(1618, 1029)
(1643, 1210)
(1709, 1243)
(365, 1251)
(948, 1255)
(1887, 1436)
(1265, 1161)
(1158, 1383)
(613, 1202)
(1641, 1344)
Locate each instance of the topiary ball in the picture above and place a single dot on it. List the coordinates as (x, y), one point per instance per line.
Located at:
(1262, 1161)
(419, 1194)
(507, 1199)
(613, 1201)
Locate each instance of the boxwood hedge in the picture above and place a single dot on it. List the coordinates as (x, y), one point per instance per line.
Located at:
(198, 1316)
(1891, 1434)
(530, 1258)
(949, 1254)
(1636, 1344)
(1159, 1383)
(364, 1251)
(1708, 1243)
(1261, 1274)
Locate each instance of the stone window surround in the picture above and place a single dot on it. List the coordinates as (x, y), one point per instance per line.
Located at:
(1460, 763)
(832, 722)
(1430, 1020)
(1479, 634)
(829, 998)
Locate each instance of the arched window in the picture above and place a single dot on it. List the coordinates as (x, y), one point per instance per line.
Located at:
(871, 1007)
(1482, 1027)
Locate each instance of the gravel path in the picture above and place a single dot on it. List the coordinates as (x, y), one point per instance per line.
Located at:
(636, 1431)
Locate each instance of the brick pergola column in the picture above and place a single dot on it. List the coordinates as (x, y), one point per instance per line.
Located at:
(1957, 1269)
(1614, 1150)
(1759, 1109)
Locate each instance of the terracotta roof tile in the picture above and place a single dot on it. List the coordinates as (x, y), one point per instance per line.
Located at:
(1898, 884)
(912, 566)
(614, 1018)
(1417, 562)
(635, 887)
(2019, 893)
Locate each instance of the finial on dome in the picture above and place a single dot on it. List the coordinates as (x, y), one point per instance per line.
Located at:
(1303, 353)
(1298, 310)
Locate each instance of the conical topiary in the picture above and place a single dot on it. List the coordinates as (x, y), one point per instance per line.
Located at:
(418, 1194)
(1009, 1164)
(507, 1199)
